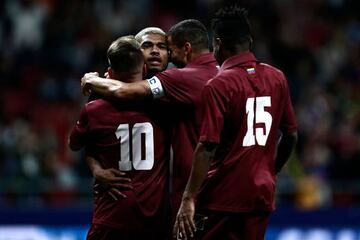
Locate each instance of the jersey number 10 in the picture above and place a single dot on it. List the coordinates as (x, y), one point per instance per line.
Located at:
(142, 146)
(260, 116)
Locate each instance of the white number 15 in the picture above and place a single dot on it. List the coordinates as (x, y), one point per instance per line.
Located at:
(260, 116)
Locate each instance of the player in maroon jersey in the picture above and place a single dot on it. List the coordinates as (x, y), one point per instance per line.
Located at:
(154, 48)
(239, 153)
(181, 87)
(134, 138)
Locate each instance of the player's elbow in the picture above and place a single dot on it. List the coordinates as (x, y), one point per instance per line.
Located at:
(291, 138)
(288, 142)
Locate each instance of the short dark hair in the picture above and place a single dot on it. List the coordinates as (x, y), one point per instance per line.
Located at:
(192, 31)
(232, 26)
(125, 55)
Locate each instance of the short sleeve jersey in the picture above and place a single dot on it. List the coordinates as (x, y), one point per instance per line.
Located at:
(182, 88)
(136, 140)
(246, 106)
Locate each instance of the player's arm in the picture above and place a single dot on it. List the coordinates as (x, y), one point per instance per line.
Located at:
(285, 147)
(76, 138)
(288, 127)
(111, 180)
(78, 135)
(184, 224)
(114, 89)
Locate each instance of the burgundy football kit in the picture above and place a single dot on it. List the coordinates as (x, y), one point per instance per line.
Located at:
(245, 106)
(136, 140)
(182, 88)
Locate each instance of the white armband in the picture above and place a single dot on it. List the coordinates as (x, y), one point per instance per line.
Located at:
(156, 87)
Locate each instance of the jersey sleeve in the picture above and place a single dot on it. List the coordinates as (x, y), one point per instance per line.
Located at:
(171, 86)
(213, 110)
(79, 134)
(288, 120)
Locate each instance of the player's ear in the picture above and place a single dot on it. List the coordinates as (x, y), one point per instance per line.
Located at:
(217, 42)
(110, 73)
(251, 42)
(187, 48)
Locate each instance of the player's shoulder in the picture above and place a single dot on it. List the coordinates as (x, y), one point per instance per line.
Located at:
(96, 104)
(223, 76)
(218, 83)
(271, 69)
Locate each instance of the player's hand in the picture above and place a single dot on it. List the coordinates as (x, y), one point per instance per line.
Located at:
(184, 227)
(86, 82)
(113, 181)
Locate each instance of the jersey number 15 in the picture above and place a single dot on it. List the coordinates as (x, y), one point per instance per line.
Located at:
(260, 116)
(142, 146)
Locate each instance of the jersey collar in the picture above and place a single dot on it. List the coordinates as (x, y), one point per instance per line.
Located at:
(204, 58)
(238, 59)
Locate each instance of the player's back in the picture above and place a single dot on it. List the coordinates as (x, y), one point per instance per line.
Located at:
(259, 96)
(134, 139)
(253, 99)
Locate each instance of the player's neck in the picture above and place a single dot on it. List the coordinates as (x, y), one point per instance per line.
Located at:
(150, 73)
(242, 48)
(197, 54)
(238, 49)
(130, 77)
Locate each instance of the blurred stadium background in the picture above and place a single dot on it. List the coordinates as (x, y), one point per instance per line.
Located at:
(47, 45)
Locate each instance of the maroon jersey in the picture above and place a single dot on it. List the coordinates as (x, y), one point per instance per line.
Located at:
(134, 139)
(245, 105)
(182, 88)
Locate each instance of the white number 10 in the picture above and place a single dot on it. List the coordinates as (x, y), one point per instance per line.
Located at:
(142, 139)
(261, 116)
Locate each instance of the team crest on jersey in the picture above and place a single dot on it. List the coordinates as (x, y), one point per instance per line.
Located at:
(250, 70)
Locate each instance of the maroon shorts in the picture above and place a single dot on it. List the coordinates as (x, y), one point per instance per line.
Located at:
(100, 232)
(231, 226)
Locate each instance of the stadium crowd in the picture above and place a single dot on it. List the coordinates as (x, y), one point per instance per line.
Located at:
(47, 45)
